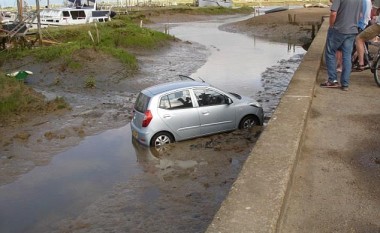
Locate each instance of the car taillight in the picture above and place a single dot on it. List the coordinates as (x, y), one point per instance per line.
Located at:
(147, 118)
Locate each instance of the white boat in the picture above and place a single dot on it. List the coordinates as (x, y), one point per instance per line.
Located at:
(221, 3)
(277, 9)
(76, 14)
(7, 17)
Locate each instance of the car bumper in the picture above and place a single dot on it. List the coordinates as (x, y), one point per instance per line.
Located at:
(140, 135)
(260, 114)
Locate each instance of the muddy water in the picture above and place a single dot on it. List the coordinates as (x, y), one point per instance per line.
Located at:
(107, 184)
(236, 62)
(72, 181)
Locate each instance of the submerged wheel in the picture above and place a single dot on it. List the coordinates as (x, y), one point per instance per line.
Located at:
(248, 122)
(161, 139)
(376, 72)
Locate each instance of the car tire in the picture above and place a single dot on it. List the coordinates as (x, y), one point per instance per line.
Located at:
(248, 122)
(161, 139)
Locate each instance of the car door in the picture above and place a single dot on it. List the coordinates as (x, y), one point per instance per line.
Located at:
(177, 111)
(215, 114)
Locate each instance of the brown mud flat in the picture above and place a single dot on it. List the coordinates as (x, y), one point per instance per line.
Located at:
(278, 27)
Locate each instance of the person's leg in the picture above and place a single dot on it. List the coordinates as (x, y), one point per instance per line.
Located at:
(333, 42)
(360, 50)
(339, 60)
(368, 34)
(347, 47)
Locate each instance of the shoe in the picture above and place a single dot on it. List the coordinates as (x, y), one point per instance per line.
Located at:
(344, 88)
(330, 84)
(339, 70)
(360, 68)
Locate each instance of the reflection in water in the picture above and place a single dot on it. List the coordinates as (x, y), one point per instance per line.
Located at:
(160, 162)
(73, 180)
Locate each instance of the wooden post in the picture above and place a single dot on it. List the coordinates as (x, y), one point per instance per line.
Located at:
(290, 18)
(38, 23)
(19, 10)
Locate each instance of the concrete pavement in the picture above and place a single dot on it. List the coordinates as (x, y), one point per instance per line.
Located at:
(316, 166)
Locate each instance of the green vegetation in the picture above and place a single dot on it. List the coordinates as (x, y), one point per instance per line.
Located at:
(115, 38)
(90, 82)
(17, 98)
(11, 98)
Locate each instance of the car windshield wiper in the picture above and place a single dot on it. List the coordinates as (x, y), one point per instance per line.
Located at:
(184, 77)
(236, 95)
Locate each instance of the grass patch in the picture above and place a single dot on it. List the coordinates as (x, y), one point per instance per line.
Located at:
(12, 96)
(116, 38)
(90, 82)
(17, 99)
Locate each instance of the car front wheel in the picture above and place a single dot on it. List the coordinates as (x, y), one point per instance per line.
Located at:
(248, 122)
(161, 139)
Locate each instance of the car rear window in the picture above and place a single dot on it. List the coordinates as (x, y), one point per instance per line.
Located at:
(142, 101)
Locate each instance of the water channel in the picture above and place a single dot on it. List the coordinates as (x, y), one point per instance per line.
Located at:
(80, 187)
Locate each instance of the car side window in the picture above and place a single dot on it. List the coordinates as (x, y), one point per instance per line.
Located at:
(177, 100)
(207, 97)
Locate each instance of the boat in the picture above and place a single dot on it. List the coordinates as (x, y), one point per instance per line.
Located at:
(75, 14)
(318, 5)
(277, 9)
(219, 3)
(7, 17)
(10, 27)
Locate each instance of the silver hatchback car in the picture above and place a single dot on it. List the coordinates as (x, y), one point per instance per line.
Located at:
(182, 110)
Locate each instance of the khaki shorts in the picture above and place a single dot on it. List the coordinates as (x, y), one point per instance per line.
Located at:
(370, 32)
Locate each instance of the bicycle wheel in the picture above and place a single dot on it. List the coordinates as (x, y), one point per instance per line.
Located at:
(376, 71)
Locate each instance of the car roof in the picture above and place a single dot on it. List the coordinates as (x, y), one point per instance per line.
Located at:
(161, 88)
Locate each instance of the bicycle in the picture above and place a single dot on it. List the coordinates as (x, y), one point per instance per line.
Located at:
(371, 58)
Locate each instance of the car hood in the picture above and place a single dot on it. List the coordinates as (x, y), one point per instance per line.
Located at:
(248, 101)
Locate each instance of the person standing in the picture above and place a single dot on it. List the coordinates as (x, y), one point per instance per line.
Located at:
(343, 22)
(365, 16)
(368, 34)
(364, 22)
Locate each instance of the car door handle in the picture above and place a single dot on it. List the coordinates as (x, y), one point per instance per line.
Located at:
(205, 113)
(167, 116)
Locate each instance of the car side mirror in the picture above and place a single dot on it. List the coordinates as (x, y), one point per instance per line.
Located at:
(228, 100)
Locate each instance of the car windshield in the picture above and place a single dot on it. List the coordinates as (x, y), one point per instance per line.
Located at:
(142, 102)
